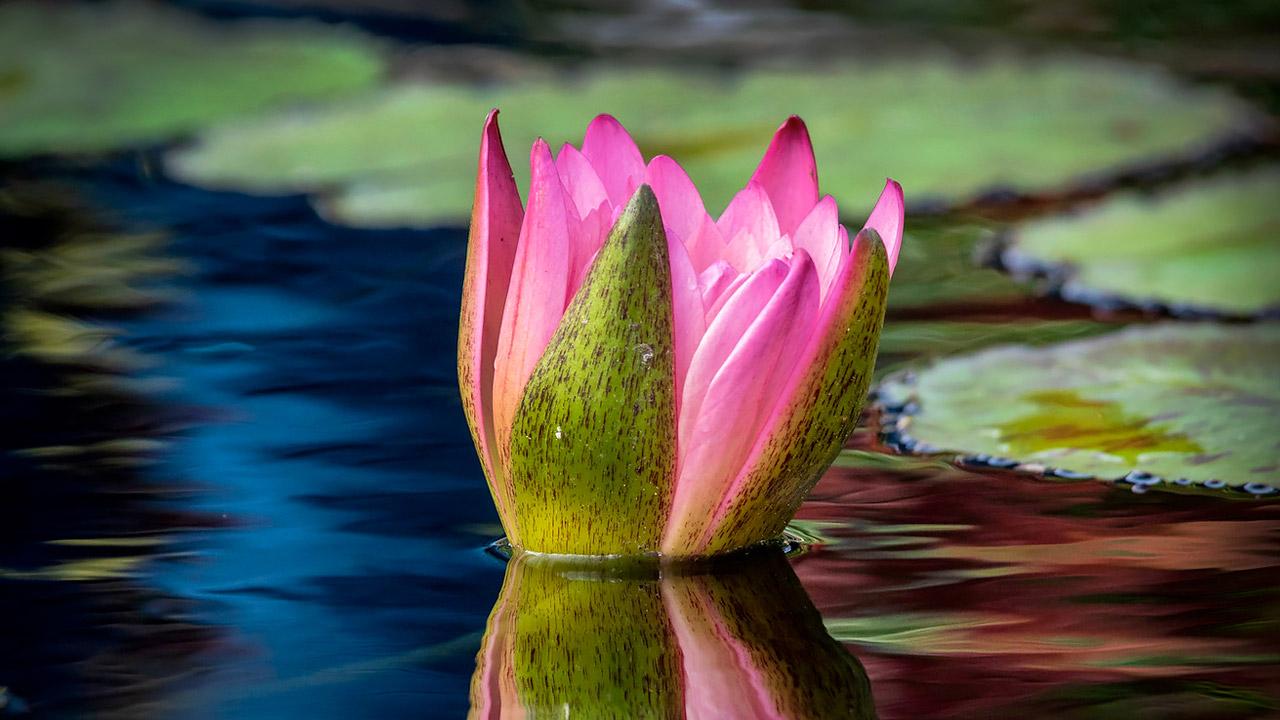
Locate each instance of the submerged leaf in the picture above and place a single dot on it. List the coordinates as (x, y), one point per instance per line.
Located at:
(1179, 403)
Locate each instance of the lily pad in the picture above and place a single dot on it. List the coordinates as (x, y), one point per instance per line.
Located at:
(948, 132)
(939, 268)
(1207, 247)
(84, 78)
(1166, 405)
(903, 342)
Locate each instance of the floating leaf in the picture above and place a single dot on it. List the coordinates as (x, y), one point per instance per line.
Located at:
(1183, 403)
(83, 78)
(1210, 246)
(906, 341)
(947, 132)
(938, 266)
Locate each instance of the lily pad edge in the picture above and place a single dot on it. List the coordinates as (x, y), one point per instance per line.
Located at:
(893, 418)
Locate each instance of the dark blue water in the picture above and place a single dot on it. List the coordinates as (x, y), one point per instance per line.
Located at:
(320, 363)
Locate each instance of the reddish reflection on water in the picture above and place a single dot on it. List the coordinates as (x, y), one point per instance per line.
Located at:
(973, 596)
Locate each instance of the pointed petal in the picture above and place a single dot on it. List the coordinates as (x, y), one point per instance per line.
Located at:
(592, 446)
(588, 196)
(789, 174)
(688, 313)
(682, 209)
(539, 284)
(819, 234)
(491, 251)
(580, 180)
(717, 433)
(615, 157)
(748, 227)
(887, 220)
(819, 407)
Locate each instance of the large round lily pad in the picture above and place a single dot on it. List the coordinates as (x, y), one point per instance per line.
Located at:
(1211, 246)
(1176, 403)
(947, 131)
(80, 78)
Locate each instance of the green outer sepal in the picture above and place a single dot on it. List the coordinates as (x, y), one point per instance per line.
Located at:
(592, 451)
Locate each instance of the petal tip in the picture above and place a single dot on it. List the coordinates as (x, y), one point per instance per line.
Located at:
(888, 218)
(793, 124)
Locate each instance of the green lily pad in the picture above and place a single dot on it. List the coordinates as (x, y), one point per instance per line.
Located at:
(939, 267)
(84, 78)
(902, 342)
(1166, 405)
(1206, 247)
(948, 132)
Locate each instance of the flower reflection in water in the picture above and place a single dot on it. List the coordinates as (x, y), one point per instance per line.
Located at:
(737, 638)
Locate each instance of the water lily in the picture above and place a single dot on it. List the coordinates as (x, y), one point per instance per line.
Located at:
(741, 640)
(641, 378)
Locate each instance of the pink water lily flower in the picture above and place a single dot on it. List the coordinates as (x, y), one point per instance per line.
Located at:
(642, 378)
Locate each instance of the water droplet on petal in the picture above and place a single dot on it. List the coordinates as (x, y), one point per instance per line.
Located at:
(645, 351)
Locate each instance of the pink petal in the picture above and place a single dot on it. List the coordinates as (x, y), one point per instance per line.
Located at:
(579, 262)
(706, 247)
(713, 281)
(887, 219)
(789, 174)
(539, 285)
(781, 248)
(795, 397)
(748, 227)
(820, 235)
(678, 199)
(615, 157)
(491, 251)
(588, 196)
(580, 179)
(688, 315)
(723, 334)
(734, 379)
(714, 308)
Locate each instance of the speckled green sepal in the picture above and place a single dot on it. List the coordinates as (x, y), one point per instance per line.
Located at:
(592, 451)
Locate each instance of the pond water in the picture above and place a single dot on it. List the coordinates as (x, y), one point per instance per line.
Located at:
(240, 485)
(296, 523)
